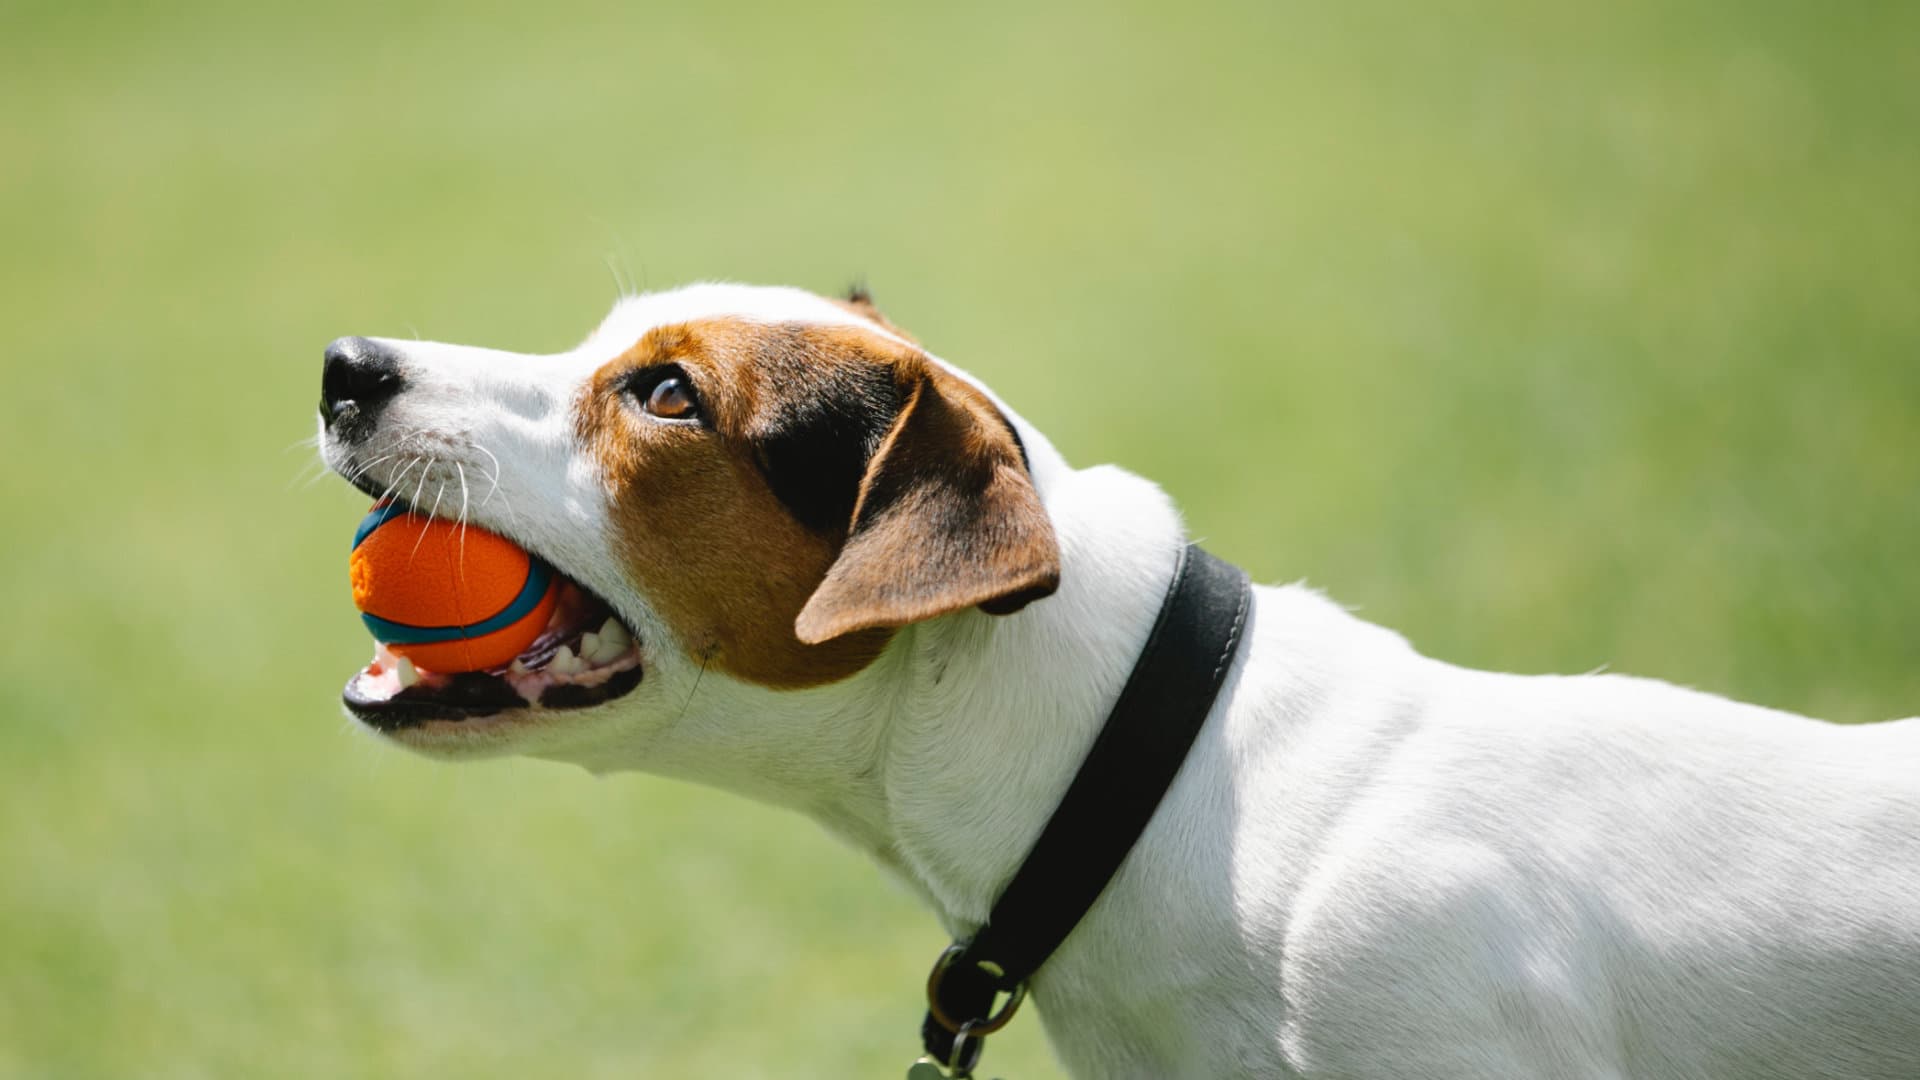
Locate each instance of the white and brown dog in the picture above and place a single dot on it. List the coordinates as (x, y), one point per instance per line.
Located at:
(824, 569)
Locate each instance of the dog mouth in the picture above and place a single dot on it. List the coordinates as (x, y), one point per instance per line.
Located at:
(585, 656)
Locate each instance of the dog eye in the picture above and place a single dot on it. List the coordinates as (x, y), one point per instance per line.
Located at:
(672, 399)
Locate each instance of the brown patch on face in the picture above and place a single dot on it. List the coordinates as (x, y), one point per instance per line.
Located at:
(718, 555)
(839, 484)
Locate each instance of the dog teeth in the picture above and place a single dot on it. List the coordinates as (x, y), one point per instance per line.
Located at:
(565, 663)
(404, 670)
(518, 667)
(606, 646)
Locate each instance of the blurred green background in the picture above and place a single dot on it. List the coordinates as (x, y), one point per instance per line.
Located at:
(1554, 335)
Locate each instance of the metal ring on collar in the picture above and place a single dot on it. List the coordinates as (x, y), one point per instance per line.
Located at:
(958, 1067)
(980, 1026)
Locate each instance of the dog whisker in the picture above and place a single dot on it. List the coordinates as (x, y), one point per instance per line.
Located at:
(398, 479)
(461, 469)
(697, 679)
(422, 485)
(309, 474)
(494, 477)
(431, 514)
(316, 470)
(493, 487)
(620, 288)
(361, 469)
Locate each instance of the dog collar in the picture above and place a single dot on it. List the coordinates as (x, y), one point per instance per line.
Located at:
(1128, 770)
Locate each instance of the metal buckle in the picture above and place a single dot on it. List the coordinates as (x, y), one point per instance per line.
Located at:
(978, 1027)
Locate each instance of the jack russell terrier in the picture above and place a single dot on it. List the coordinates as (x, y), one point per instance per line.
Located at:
(825, 569)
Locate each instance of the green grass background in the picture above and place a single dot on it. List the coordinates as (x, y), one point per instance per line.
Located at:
(1555, 335)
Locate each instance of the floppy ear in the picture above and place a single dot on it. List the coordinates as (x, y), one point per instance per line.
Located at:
(947, 519)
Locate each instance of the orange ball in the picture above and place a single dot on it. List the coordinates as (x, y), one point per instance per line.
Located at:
(448, 597)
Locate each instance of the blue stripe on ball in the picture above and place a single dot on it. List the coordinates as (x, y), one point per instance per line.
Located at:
(394, 633)
(377, 517)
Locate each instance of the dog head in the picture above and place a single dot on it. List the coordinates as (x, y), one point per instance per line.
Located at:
(756, 486)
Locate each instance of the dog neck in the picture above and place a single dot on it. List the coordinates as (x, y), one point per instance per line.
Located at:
(998, 713)
(944, 759)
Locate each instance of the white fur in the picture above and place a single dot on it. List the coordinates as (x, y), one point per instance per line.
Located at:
(1373, 864)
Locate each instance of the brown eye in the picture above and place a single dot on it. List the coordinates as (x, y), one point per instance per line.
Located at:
(672, 399)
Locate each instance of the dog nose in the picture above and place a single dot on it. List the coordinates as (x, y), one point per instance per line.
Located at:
(358, 378)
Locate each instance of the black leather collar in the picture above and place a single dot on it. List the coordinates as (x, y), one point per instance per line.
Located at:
(1131, 765)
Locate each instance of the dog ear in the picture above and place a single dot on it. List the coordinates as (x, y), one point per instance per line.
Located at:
(947, 518)
(859, 300)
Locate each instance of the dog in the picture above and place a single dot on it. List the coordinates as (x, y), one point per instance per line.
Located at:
(827, 570)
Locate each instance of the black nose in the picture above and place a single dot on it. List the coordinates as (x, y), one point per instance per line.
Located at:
(359, 377)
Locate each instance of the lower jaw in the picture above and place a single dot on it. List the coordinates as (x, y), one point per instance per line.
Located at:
(478, 696)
